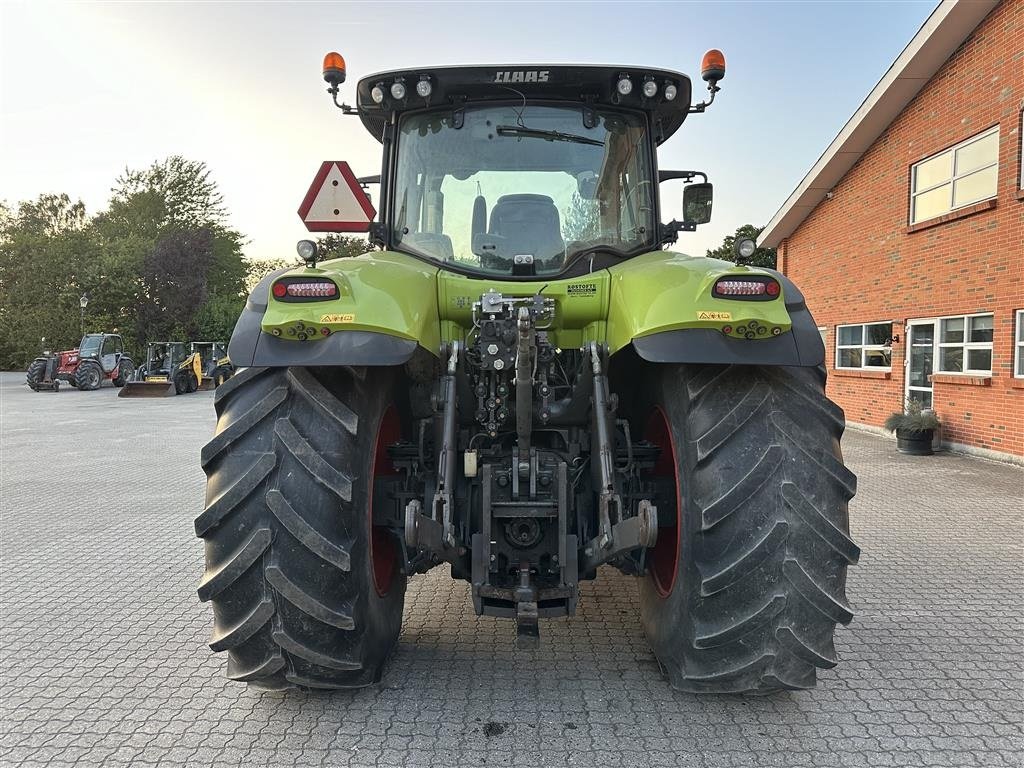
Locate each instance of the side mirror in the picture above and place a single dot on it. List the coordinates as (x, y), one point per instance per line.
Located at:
(697, 203)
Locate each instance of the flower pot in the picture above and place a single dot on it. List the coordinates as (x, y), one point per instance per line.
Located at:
(915, 443)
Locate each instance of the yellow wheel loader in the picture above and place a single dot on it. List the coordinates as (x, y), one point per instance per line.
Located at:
(169, 370)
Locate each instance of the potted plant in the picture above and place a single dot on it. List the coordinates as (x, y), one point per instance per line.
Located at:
(915, 429)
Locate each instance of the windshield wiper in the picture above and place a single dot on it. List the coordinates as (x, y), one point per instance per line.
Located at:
(537, 133)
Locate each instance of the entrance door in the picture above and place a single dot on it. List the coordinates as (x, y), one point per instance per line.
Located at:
(919, 361)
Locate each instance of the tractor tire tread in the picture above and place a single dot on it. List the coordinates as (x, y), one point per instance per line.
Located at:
(304, 532)
(216, 581)
(286, 570)
(239, 490)
(322, 472)
(316, 394)
(765, 583)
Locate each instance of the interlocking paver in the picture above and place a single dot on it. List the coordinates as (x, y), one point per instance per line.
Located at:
(103, 656)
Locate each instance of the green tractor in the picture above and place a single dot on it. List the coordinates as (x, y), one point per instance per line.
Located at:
(525, 383)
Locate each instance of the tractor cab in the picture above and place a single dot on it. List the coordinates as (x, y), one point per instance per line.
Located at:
(527, 171)
(105, 348)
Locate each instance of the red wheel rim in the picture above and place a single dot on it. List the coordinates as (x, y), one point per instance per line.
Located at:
(664, 557)
(383, 552)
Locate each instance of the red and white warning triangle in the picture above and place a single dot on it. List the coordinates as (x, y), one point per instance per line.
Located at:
(335, 202)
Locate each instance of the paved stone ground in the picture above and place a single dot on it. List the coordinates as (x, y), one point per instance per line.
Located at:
(103, 656)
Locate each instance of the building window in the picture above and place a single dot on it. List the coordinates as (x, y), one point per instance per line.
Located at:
(864, 346)
(965, 344)
(1018, 346)
(1020, 132)
(958, 176)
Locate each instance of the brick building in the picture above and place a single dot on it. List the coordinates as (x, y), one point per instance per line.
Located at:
(907, 235)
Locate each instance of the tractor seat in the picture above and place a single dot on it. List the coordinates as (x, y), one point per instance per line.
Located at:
(529, 224)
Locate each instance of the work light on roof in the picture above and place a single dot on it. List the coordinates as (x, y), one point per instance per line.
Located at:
(423, 87)
(377, 93)
(624, 86)
(398, 90)
(650, 88)
(670, 91)
(307, 250)
(745, 247)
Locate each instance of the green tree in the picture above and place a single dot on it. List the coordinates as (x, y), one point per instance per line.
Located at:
(334, 246)
(763, 257)
(260, 268)
(160, 261)
(169, 222)
(181, 190)
(46, 252)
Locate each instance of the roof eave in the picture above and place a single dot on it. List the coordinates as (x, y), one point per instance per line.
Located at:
(942, 33)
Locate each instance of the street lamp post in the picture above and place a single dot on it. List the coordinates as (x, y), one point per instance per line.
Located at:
(83, 302)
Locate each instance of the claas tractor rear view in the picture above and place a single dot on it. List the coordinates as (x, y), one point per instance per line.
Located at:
(525, 383)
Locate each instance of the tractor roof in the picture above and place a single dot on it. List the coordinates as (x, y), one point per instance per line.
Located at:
(583, 83)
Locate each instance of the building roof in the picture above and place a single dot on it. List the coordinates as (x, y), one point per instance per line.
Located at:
(949, 25)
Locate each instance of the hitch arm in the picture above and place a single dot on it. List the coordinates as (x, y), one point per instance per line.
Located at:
(435, 532)
(616, 534)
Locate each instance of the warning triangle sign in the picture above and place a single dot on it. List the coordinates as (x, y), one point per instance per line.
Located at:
(335, 202)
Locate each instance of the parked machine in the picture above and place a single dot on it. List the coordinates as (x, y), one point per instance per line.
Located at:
(216, 364)
(99, 357)
(170, 369)
(525, 383)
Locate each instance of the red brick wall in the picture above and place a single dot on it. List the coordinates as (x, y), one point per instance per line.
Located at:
(857, 262)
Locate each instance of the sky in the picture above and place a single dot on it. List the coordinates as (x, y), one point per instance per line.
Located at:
(89, 89)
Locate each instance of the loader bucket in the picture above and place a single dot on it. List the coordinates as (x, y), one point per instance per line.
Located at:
(207, 384)
(147, 389)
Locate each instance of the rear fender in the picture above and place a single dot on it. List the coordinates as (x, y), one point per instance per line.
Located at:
(661, 304)
(386, 307)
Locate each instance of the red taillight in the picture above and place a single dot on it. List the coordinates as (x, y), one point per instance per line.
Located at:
(763, 288)
(740, 288)
(319, 290)
(311, 289)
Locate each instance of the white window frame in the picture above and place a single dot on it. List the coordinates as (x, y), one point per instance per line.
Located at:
(864, 348)
(964, 345)
(1020, 134)
(1018, 344)
(915, 193)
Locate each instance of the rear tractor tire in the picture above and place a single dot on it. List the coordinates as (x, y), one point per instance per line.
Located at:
(747, 582)
(305, 590)
(88, 376)
(35, 374)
